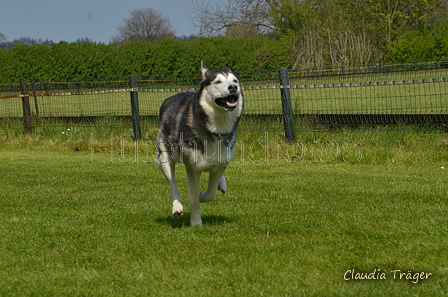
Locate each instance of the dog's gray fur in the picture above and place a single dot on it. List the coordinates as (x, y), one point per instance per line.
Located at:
(199, 130)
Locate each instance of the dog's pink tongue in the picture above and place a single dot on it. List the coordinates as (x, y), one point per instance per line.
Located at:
(231, 104)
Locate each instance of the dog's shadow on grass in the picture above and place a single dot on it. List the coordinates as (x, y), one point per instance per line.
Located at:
(184, 221)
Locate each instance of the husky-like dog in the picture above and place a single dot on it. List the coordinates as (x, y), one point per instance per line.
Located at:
(199, 130)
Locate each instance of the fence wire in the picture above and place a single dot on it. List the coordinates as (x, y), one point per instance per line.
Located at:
(380, 94)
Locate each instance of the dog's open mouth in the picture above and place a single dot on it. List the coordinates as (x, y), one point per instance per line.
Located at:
(228, 102)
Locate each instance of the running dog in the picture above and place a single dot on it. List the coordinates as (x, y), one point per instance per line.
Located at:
(199, 130)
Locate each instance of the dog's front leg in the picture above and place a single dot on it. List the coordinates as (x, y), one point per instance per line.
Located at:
(216, 181)
(193, 178)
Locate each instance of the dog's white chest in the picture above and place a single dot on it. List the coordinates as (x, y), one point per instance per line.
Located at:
(214, 155)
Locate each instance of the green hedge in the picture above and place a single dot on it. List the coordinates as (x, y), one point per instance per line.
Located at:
(64, 60)
(67, 61)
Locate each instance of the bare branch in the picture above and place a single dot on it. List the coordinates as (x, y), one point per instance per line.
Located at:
(215, 18)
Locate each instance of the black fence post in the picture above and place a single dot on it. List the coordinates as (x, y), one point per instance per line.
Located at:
(26, 107)
(36, 104)
(135, 108)
(288, 121)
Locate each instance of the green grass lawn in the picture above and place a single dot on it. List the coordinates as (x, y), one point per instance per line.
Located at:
(77, 224)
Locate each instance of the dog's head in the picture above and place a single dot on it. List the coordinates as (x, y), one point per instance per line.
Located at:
(222, 88)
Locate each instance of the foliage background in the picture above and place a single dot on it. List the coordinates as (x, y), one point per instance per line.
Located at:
(294, 34)
(62, 61)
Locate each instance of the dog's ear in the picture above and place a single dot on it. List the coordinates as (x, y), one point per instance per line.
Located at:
(227, 70)
(205, 71)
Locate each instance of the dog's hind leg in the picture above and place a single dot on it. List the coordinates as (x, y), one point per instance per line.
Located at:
(216, 181)
(193, 178)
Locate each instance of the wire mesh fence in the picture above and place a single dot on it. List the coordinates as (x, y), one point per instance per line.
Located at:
(413, 93)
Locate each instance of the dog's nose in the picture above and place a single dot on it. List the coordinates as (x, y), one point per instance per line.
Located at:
(233, 88)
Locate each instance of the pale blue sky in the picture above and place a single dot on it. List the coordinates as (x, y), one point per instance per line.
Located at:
(94, 19)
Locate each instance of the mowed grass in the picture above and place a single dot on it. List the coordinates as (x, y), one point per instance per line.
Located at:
(77, 224)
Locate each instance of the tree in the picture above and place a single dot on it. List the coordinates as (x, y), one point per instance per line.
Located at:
(236, 18)
(83, 40)
(322, 32)
(340, 32)
(4, 44)
(289, 16)
(393, 17)
(144, 24)
(440, 11)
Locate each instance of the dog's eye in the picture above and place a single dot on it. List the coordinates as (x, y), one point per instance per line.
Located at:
(235, 81)
(217, 82)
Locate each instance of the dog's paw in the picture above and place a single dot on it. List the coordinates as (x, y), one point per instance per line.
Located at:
(203, 197)
(196, 222)
(178, 209)
(222, 185)
(177, 214)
